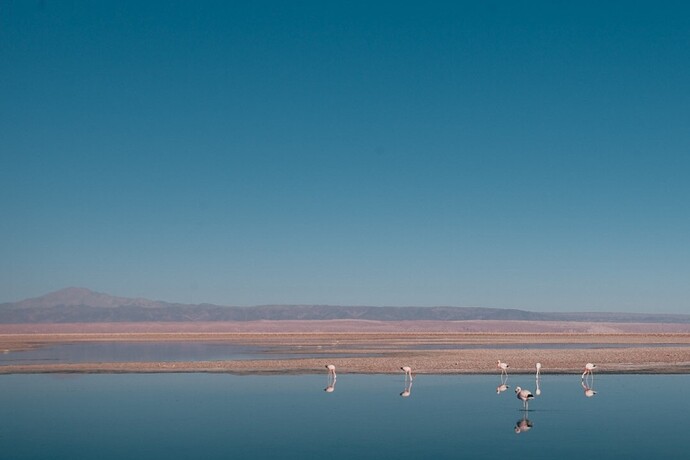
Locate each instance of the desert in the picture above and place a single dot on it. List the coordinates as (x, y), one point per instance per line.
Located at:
(375, 347)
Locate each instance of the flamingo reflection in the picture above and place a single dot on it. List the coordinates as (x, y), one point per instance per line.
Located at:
(523, 425)
(330, 388)
(408, 388)
(587, 387)
(501, 388)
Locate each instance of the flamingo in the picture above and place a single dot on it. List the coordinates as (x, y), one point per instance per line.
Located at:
(330, 388)
(503, 367)
(408, 372)
(589, 367)
(331, 369)
(524, 396)
(501, 388)
(538, 376)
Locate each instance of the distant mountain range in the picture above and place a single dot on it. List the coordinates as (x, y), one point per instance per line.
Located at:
(79, 305)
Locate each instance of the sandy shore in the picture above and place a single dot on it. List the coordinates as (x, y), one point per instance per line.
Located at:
(634, 353)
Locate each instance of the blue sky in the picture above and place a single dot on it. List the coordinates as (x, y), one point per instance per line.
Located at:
(486, 153)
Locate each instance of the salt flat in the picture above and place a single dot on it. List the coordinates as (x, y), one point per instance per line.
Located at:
(421, 346)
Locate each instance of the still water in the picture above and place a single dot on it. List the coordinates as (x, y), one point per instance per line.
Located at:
(221, 416)
(87, 352)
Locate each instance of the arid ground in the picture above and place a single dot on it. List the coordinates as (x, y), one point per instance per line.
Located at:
(379, 347)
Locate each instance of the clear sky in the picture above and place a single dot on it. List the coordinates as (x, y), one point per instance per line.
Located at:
(531, 155)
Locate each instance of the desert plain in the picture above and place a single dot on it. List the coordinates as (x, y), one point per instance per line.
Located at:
(429, 347)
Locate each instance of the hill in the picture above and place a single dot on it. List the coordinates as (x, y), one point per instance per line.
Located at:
(79, 305)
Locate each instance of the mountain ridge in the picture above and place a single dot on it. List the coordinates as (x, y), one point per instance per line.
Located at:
(81, 305)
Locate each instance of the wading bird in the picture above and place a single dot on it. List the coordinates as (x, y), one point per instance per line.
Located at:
(330, 386)
(408, 372)
(589, 367)
(537, 391)
(524, 396)
(502, 366)
(501, 388)
(331, 369)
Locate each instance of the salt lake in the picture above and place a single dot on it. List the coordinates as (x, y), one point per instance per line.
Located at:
(224, 416)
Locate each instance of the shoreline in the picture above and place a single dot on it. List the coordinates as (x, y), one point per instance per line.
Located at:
(655, 353)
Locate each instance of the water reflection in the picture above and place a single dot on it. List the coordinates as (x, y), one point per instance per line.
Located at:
(501, 388)
(408, 388)
(504, 384)
(224, 416)
(587, 385)
(523, 425)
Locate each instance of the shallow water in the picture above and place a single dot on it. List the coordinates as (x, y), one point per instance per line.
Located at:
(214, 416)
(83, 352)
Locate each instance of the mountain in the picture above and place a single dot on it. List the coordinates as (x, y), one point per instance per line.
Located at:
(73, 296)
(79, 305)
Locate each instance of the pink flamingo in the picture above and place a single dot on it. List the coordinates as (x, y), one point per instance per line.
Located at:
(503, 367)
(408, 372)
(589, 367)
(331, 369)
(524, 396)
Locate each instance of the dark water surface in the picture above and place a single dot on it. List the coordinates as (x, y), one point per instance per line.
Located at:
(222, 416)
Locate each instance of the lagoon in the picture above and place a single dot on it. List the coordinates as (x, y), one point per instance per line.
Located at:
(223, 416)
(104, 351)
